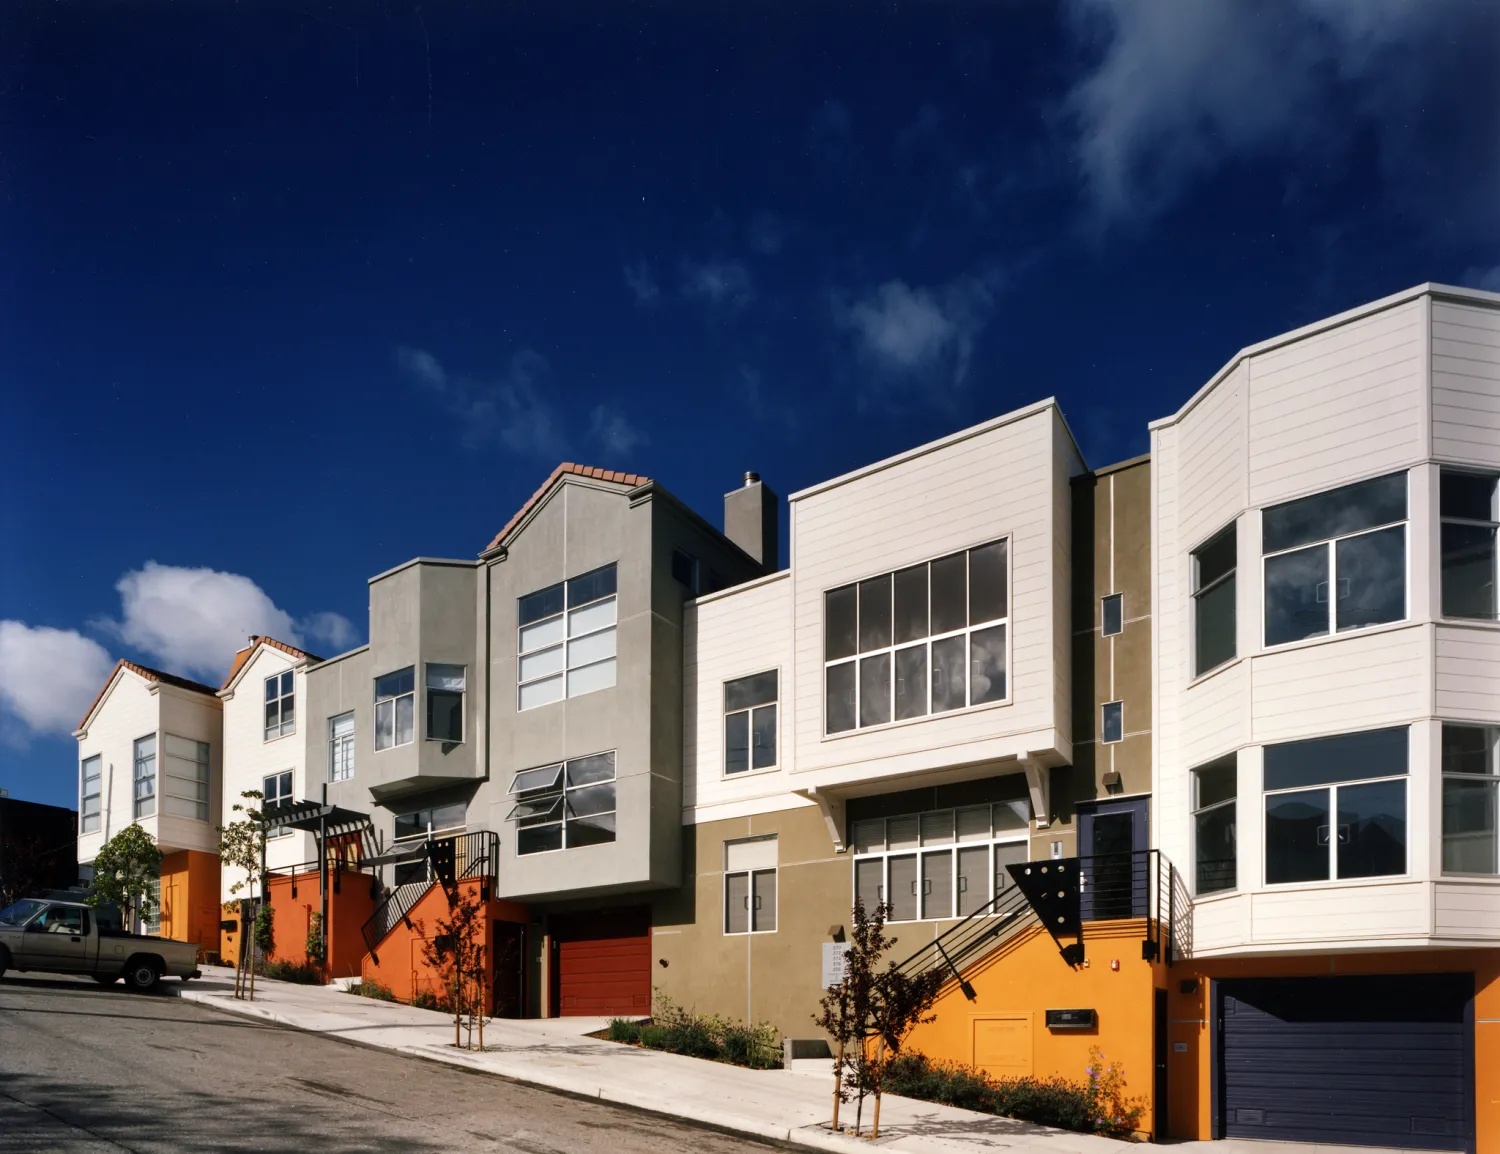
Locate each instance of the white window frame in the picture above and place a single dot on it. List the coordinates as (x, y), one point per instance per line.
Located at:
(463, 700)
(267, 799)
(1195, 811)
(1493, 525)
(201, 780)
(84, 796)
(1197, 589)
(137, 779)
(1020, 836)
(393, 703)
(1103, 722)
(1331, 545)
(774, 705)
(285, 702)
(336, 747)
(431, 830)
(557, 793)
(567, 640)
(932, 638)
(1104, 630)
(750, 875)
(1492, 779)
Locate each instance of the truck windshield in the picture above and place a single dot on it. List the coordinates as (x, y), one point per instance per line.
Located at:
(20, 913)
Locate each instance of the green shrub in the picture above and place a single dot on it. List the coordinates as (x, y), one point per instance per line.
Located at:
(623, 1030)
(653, 1037)
(373, 989)
(428, 1000)
(303, 973)
(681, 1031)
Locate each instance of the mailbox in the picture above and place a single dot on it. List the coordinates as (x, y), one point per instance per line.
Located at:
(1072, 1019)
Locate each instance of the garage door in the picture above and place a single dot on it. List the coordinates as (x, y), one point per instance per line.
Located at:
(1377, 1061)
(602, 963)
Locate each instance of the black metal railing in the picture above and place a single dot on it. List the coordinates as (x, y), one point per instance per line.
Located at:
(979, 933)
(435, 861)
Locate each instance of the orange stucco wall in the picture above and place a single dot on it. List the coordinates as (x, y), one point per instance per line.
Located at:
(1189, 1088)
(294, 900)
(190, 899)
(398, 961)
(1004, 1031)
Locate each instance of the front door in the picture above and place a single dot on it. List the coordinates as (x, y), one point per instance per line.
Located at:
(57, 941)
(1113, 837)
(509, 998)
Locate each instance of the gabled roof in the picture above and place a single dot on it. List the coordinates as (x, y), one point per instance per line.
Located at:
(242, 658)
(632, 479)
(149, 674)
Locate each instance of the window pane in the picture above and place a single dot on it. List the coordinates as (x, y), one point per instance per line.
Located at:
(737, 903)
(1006, 855)
(869, 882)
(838, 698)
(1468, 495)
(875, 689)
(903, 894)
(273, 718)
(1372, 578)
(594, 830)
(902, 832)
(1468, 571)
(543, 633)
(973, 879)
(591, 586)
(537, 810)
(1297, 595)
(948, 674)
(987, 583)
(1113, 718)
(1469, 749)
(541, 692)
(1332, 514)
(1469, 837)
(869, 835)
(737, 742)
(599, 615)
(591, 799)
(937, 884)
(273, 685)
(445, 715)
(544, 603)
(449, 677)
(286, 684)
(911, 604)
(911, 682)
(1215, 558)
(1214, 626)
(1347, 757)
(385, 724)
(1372, 829)
(341, 726)
(763, 901)
(587, 770)
(974, 823)
(545, 777)
(874, 614)
(405, 714)
(950, 593)
(747, 691)
(987, 665)
(395, 684)
(763, 737)
(937, 827)
(535, 665)
(1111, 615)
(539, 838)
(591, 678)
(1297, 837)
(1216, 852)
(1215, 782)
(594, 647)
(839, 629)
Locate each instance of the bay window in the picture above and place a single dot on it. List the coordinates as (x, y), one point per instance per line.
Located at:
(185, 777)
(1215, 849)
(1471, 792)
(566, 641)
(1214, 626)
(1470, 517)
(1335, 561)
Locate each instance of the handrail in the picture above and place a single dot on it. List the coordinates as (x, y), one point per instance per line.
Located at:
(447, 861)
(997, 919)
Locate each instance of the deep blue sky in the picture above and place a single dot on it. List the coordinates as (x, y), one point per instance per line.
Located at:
(295, 291)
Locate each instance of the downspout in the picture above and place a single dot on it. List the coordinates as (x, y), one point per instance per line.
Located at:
(323, 873)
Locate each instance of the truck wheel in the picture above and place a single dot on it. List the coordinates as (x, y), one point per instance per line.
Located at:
(106, 979)
(142, 974)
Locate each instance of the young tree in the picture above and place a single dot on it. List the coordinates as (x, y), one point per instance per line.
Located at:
(126, 866)
(456, 951)
(317, 944)
(242, 846)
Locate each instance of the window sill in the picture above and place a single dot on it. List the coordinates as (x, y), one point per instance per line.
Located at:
(744, 773)
(1485, 623)
(388, 748)
(1330, 638)
(1210, 674)
(1217, 895)
(886, 727)
(747, 933)
(445, 740)
(1481, 879)
(1339, 883)
(278, 737)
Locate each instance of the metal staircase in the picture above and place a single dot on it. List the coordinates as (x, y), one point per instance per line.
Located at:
(445, 861)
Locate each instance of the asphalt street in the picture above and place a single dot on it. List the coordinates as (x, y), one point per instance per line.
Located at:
(90, 1069)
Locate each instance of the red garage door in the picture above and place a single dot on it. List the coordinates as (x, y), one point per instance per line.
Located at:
(601, 963)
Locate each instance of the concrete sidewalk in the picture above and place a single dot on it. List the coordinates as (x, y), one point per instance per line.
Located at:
(781, 1105)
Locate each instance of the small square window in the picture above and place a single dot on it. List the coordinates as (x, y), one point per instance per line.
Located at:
(1112, 614)
(1113, 721)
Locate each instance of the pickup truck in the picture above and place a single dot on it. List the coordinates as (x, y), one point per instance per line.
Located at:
(67, 938)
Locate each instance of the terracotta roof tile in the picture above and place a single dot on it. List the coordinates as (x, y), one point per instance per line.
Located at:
(634, 480)
(149, 674)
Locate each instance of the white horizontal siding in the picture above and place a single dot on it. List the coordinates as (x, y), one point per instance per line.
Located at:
(1212, 462)
(1340, 913)
(1468, 673)
(128, 711)
(1221, 924)
(1338, 405)
(1216, 715)
(195, 717)
(1467, 910)
(1466, 383)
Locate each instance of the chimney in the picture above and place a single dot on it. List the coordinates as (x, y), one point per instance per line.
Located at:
(752, 521)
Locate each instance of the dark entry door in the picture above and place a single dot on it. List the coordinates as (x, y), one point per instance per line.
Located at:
(1360, 1061)
(1113, 836)
(1159, 1048)
(510, 970)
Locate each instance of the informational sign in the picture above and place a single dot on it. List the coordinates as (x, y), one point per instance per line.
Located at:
(1071, 1019)
(833, 963)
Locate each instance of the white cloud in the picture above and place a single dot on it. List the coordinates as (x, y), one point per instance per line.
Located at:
(719, 282)
(334, 630)
(615, 434)
(508, 410)
(641, 282)
(1487, 279)
(48, 677)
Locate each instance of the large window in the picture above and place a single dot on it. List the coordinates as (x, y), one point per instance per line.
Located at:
(1471, 793)
(341, 747)
(281, 705)
(1335, 561)
(1336, 807)
(277, 788)
(927, 639)
(750, 886)
(566, 805)
(1470, 518)
(395, 708)
(750, 723)
(1214, 564)
(185, 777)
(1215, 848)
(941, 864)
(445, 702)
(144, 783)
(433, 820)
(88, 809)
(567, 639)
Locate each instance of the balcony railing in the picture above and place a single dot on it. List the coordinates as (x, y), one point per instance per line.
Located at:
(434, 861)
